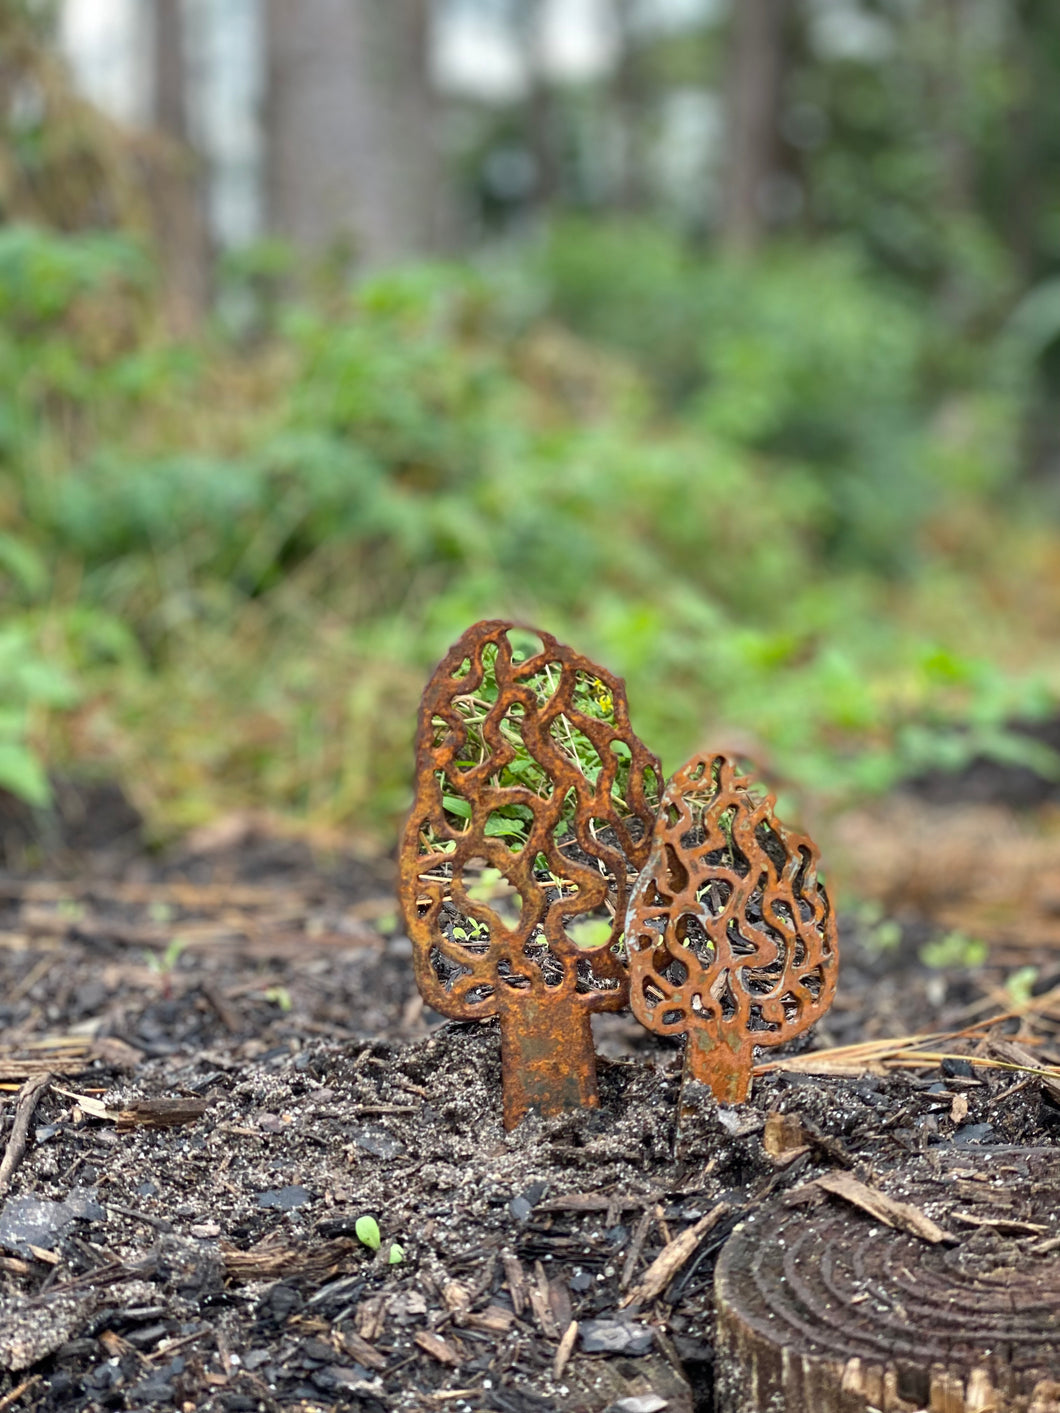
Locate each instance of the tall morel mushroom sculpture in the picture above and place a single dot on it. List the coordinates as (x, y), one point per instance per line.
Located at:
(532, 817)
(731, 935)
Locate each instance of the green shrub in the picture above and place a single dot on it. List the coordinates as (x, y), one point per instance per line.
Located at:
(247, 560)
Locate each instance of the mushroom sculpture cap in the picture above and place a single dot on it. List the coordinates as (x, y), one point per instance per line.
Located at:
(731, 935)
(533, 814)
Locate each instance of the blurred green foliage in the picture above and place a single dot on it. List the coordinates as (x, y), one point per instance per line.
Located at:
(772, 495)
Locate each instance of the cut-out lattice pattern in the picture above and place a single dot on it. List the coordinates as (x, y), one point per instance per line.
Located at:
(532, 817)
(731, 936)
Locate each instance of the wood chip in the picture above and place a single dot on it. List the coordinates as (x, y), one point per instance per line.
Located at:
(541, 1303)
(359, 1349)
(160, 1113)
(903, 1216)
(495, 1319)
(784, 1137)
(140, 1113)
(559, 1302)
(271, 1262)
(371, 1316)
(455, 1296)
(959, 1108)
(564, 1350)
(437, 1348)
(41, 1253)
(515, 1279)
(117, 1347)
(673, 1256)
(636, 1246)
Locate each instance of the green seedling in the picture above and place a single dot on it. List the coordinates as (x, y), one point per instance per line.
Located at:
(955, 949)
(167, 962)
(881, 932)
(368, 1233)
(367, 1229)
(280, 996)
(1020, 985)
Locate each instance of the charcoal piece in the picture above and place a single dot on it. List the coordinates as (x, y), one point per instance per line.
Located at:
(285, 1199)
(615, 1337)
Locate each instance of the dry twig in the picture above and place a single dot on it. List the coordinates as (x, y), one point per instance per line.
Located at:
(673, 1256)
(25, 1107)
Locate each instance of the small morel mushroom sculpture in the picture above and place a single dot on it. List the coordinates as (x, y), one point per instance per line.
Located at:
(532, 817)
(731, 936)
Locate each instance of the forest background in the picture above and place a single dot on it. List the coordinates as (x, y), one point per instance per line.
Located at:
(722, 341)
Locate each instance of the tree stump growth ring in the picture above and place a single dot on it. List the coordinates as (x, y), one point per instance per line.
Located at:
(829, 1311)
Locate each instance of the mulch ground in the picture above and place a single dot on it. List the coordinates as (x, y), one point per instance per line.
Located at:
(215, 1062)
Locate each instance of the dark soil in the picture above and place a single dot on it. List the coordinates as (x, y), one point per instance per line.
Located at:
(215, 1264)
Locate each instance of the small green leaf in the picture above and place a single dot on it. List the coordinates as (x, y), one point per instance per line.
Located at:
(396, 1256)
(22, 773)
(22, 563)
(1020, 984)
(589, 932)
(455, 805)
(367, 1229)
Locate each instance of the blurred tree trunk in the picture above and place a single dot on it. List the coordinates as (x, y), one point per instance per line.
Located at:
(958, 169)
(351, 166)
(631, 98)
(1024, 142)
(542, 119)
(179, 218)
(755, 91)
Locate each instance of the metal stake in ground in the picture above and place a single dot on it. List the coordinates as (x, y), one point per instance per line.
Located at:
(732, 938)
(532, 816)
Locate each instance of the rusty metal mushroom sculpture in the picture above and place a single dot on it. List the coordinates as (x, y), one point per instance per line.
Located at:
(731, 936)
(532, 816)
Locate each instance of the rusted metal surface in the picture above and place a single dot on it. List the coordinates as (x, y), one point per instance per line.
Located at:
(532, 817)
(732, 938)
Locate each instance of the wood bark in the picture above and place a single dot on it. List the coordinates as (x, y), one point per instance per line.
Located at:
(351, 165)
(174, 179)
(839, 1310)
(756, 78)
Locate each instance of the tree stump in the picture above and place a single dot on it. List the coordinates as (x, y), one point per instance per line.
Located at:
(829, 1310)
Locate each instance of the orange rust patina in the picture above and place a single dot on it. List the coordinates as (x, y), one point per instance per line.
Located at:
(533, 813)
(732, 938)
